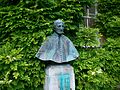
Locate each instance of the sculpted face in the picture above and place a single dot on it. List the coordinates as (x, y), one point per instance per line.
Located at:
(59, 26)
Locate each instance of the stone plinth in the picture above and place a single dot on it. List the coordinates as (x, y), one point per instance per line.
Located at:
(59, 77)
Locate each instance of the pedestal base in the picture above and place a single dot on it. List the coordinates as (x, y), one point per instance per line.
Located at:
(59, 77)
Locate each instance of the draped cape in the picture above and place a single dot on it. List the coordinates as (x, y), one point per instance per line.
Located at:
(57, 48)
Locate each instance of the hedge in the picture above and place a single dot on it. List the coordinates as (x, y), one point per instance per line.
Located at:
(24, 25)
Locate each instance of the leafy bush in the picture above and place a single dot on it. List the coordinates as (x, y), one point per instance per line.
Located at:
(25, 24)
(23, 27)
(88, 37)
(98, 69)
(108, 18)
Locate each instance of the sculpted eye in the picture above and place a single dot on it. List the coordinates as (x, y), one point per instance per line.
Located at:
(59, 26)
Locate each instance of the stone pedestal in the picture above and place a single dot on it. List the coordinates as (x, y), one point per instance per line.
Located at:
(59, 77)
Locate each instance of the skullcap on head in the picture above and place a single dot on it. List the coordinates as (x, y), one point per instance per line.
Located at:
(58, 21)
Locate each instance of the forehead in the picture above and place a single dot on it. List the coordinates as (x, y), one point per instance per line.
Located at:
(58, 22)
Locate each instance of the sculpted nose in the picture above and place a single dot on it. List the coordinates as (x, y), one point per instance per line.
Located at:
(61, 28)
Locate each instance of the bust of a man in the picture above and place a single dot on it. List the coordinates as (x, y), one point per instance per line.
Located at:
(57, 48)
(59, 27)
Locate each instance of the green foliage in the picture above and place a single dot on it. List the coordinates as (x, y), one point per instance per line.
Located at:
(25, 24)
(8, 2)
(108, 17)
(23, 27)
(87, 37)
(98, 69)
(18, 71)
(108, 21)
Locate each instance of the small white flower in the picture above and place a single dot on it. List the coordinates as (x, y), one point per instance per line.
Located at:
(8, 56)
(99, 71)
(14, 58)
(93, 73)
(9, 81)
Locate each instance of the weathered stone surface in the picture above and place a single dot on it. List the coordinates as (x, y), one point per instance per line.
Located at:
(59, 77)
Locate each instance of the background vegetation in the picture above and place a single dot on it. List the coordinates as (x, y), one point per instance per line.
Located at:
(24, 25)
